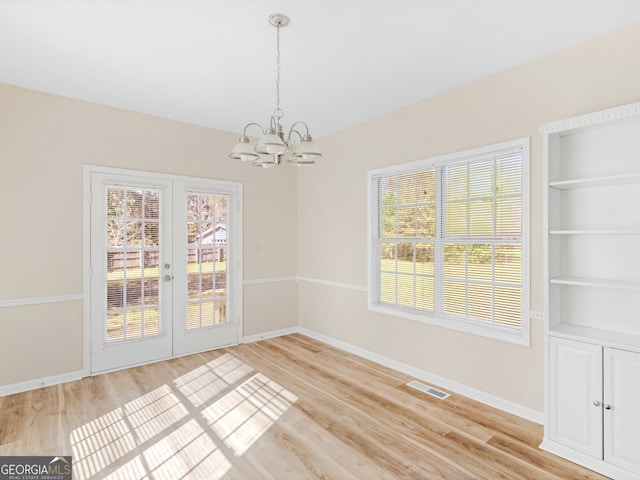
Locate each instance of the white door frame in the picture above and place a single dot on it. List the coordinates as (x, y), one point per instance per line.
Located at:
(234, 244)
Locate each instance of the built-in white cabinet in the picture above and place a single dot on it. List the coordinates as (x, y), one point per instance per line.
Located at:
(594, 402)
(622, 408)
(591, 254)
(575, 391)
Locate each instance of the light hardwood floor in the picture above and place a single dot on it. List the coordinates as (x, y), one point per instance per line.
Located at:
(284, 408)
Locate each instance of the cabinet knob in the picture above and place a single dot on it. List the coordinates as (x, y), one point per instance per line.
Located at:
(607, 407)
(596, 403)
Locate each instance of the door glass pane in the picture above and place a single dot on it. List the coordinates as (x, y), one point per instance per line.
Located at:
(132, 256)
(206, 260)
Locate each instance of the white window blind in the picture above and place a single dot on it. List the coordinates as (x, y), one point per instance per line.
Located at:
(450, 239)
(132, 256)
(206, 259)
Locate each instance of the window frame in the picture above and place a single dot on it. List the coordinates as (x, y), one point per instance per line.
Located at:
(520, 336)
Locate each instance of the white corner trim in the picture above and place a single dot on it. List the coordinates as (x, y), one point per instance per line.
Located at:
(352, 286)
(39, 383)
(488, 399)
(15, 302)
(271, 334)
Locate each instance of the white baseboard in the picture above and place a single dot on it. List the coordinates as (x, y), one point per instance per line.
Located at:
(72, 376)
(435, 380)
(39, 383)
(271, 334)
(587, 461)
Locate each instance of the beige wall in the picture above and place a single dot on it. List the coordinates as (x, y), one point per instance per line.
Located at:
(310, 221)
(332, 218)
(44, 142)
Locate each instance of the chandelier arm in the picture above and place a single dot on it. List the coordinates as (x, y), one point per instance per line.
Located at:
(293, 129)
(250, 124)
(291, 132)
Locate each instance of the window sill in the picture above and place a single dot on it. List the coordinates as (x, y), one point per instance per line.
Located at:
(504, 334)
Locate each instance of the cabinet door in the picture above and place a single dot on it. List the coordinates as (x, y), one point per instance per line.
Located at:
(575, 395)
(622, 408)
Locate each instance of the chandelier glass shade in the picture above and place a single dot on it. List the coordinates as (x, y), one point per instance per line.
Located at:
(273, 146)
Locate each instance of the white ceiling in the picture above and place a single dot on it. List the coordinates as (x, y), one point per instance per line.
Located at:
(212, 62)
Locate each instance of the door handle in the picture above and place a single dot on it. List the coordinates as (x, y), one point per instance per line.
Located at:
(596, 403)
(607, 407)
(167, 278)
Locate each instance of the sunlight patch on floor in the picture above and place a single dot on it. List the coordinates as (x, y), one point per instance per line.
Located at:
(207, 381)
(244, 414)
(184, 453)
(182, 431)
(108, 438)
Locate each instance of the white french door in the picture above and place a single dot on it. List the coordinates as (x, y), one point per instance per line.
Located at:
(206, 270)
(164, 268)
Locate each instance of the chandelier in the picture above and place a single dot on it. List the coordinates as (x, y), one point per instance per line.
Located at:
(273, 147)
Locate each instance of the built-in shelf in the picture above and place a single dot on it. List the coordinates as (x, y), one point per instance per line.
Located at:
(596, 181)
(634, 231)
(593, 282)
(591, 187)
(605, 338)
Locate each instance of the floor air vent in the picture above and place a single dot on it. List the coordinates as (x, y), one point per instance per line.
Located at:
(428, 389)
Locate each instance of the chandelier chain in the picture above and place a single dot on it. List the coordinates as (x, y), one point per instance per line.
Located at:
(278, 111)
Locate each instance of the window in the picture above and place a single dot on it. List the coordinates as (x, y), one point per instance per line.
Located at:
(449, 241)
